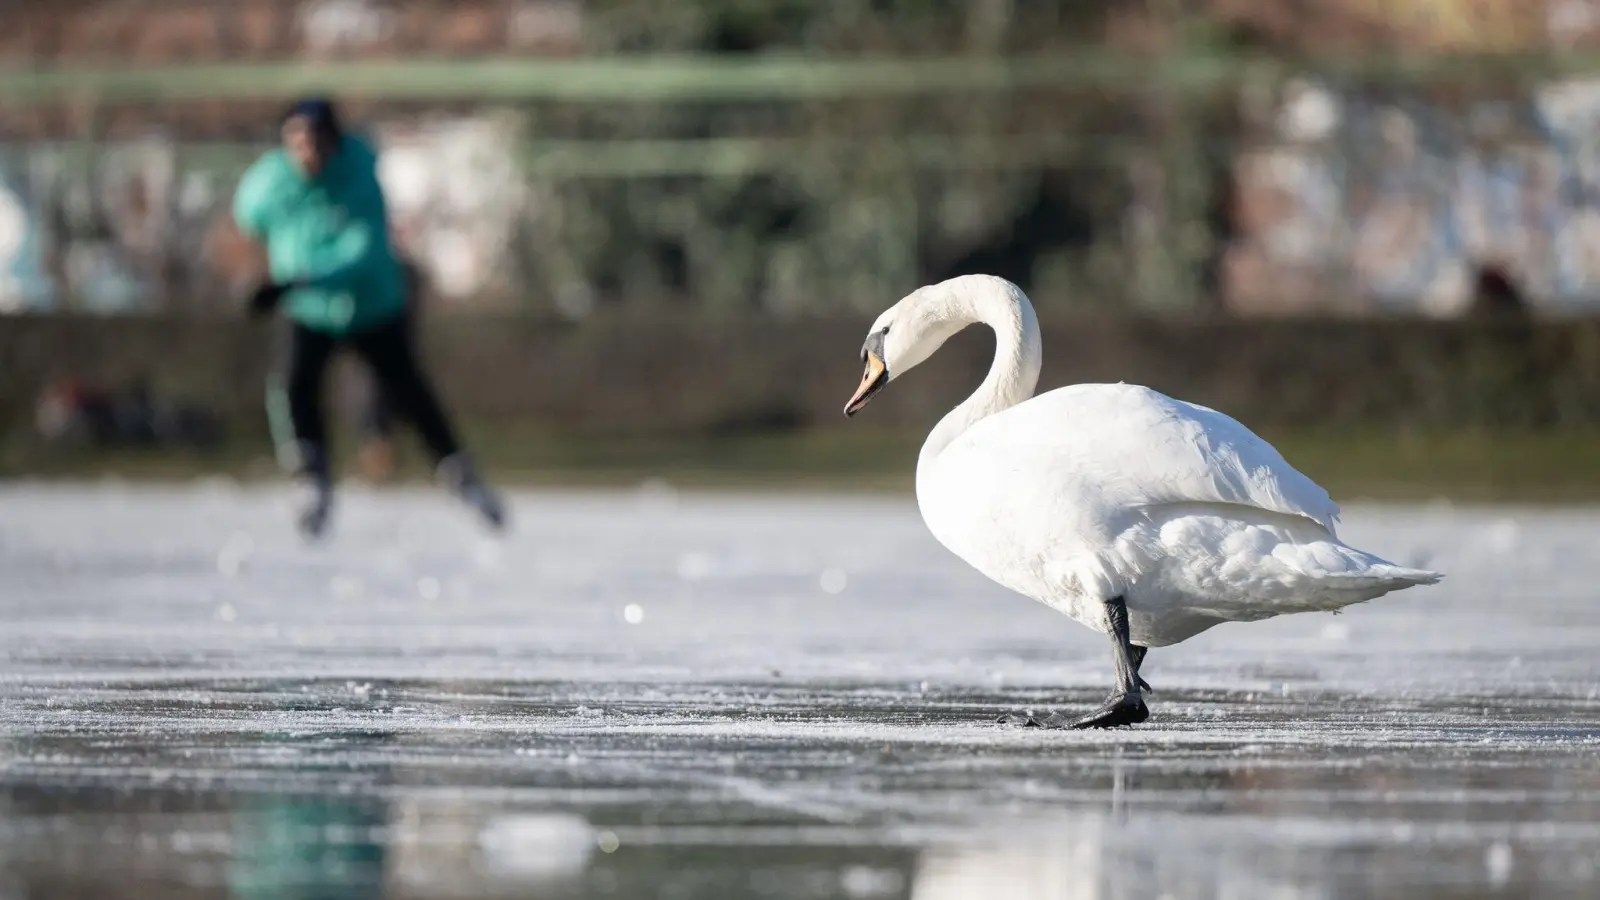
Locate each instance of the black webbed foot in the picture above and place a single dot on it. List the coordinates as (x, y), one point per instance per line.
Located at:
(1128, 709)
(1119, 710)
(1125, 706)
(1034, 720)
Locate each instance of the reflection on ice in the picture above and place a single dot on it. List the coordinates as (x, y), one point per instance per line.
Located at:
(289, 847)
(1092, 856)
(1068, 868)
(1089, 858)
(459, 850)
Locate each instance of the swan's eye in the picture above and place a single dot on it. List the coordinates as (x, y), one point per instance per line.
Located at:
(874, 345)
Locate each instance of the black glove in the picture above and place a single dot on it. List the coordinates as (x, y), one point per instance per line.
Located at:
(264, 300)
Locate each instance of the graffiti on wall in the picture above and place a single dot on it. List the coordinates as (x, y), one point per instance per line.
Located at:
(132, 225)
(24, 284)
(1400, 204)
(456, 194)
(102, 231)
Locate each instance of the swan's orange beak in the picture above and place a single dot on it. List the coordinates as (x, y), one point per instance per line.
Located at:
(872, 381)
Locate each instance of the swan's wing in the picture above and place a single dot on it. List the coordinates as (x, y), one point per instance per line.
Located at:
(1137, 448)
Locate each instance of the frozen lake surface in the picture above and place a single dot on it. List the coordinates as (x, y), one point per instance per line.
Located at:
(641, 694)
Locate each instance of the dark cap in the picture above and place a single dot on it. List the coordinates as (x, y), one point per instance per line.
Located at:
(318, 113)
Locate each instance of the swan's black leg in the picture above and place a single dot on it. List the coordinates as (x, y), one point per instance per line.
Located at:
(1125, 706)
(1138, 661)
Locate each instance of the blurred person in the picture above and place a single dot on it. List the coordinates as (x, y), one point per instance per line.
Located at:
(316, 204)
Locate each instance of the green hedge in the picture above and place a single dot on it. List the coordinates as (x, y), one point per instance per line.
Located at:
(690, 374)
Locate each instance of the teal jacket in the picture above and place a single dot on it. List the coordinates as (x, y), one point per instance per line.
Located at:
(330, 234)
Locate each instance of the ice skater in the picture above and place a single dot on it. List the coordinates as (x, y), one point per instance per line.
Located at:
(316, 205)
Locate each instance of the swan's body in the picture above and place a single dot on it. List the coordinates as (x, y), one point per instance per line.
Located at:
(1098, 496)
(1100, 490)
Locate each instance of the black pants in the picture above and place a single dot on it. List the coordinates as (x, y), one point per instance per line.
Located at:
(387, 350)
(379, 409)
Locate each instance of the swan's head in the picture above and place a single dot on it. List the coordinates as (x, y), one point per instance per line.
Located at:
(910, 331)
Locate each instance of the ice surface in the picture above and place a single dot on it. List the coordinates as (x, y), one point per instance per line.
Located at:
(641, 694)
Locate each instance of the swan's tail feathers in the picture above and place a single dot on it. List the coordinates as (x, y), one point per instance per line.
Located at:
(1419, 576)
(1405, 577)
(1383, 578)
(1341, 589)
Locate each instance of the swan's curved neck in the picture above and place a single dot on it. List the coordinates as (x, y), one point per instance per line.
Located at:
(1014, 373)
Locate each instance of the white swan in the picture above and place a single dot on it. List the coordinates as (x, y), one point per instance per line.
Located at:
(1140, 516)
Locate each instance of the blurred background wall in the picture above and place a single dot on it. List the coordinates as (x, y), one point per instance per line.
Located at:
(1378, 213)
